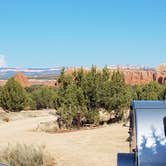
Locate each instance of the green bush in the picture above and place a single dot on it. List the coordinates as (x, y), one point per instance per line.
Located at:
(13, 96)
(43, 97)
(30, 102)
(89, 91)
(92, 116)
(67, 115)
(151, 91)
(24, 155)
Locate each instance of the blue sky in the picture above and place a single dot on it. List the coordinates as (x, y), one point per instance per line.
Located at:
(47, 33)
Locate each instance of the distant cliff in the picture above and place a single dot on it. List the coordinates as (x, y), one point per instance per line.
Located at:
(138, 76)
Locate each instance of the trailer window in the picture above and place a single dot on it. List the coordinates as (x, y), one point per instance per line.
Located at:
(164, 120)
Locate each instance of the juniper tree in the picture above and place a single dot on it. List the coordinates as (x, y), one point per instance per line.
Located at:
(13, 96)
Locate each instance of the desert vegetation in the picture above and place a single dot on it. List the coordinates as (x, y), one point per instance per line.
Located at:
(80, 97)
(24, 155)
(13, 96)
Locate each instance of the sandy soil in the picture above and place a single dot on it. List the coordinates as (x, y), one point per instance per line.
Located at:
(96, 147)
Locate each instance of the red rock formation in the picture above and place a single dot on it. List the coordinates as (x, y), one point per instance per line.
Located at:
(19, 77)
(161, 73)
(137, 77)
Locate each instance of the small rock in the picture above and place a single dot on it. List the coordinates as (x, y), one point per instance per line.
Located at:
(50, 126)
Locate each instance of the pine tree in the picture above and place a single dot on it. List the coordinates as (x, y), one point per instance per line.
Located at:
(120, 94)
(44, 97)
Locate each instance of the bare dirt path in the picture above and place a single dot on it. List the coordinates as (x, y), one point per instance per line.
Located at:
(97, 147)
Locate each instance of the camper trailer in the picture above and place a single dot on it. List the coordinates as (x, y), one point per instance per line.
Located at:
(147, 135)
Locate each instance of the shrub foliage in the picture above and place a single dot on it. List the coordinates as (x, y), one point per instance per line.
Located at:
(24, 155)
(13, 96)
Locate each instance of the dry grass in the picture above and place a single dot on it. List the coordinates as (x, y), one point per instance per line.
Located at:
(12, 116)
(98, 147)
(23, 155)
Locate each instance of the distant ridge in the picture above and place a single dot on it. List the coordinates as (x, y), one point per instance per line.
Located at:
(127, 67)
(6, 73)
(131, 67)
(134, 74)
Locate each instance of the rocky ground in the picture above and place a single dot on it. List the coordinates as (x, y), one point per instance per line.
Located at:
(81, 148)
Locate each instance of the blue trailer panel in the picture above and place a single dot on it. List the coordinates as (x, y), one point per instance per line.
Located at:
(125, 159)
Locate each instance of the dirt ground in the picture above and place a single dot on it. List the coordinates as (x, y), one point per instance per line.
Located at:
(95, 147)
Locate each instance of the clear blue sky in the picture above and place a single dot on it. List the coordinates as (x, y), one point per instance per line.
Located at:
(46, 33)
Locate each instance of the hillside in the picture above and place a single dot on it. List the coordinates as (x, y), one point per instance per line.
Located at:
(46, 73)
